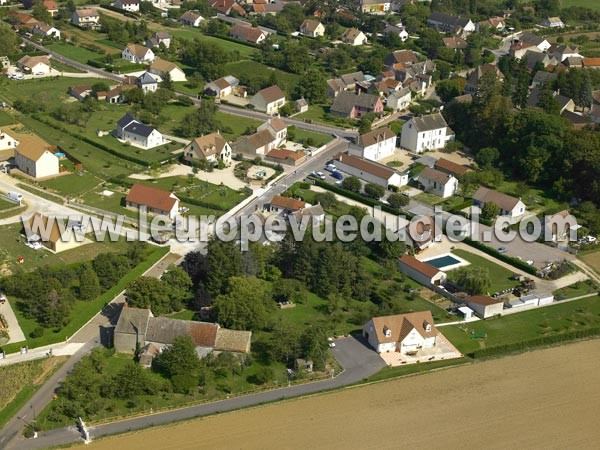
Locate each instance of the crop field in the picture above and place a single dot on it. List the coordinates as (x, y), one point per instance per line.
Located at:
(592, 260)
(368, 416)
(592, 4)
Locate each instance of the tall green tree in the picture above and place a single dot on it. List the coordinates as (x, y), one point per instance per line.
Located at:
(89, 285)
(245, 305)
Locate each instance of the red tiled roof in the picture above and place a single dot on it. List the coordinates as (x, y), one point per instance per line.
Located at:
(151, 197)
(426, 269)
(287, 203)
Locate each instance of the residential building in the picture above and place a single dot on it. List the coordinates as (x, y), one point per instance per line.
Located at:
(422, 232)
(286, 205)
(286, 157)
(221, 87)
(227, 7)
(191, 18)
(495, 23)
(211, 147)
(138, 54)
(138, 329)
(277, 128)
(370, 171)
(312, 28)
(450, 167)
(128, 5)
(384, 87)
(131, 130)
(354, 36)
(447, 23)
(51, 6)
(248, 33)
(268, 100)
(425, 133)
(153, 200)
(398, 30)
(35, 158)
(591, 63)
(375, 6)
(46, 31)
(562, 52)
(86, 18)
(34, 64)
(375, 145)
(565, 103)
(485, 306)
(541, 79)
(158, 38)
(7, 141)
(47, 231)
(399, 100)
(402, 333)
(4, 62)
(423, 273)
(162, 67)
(509, 206)
(80, 92)
(532, 41)
(257, 144)
(552, 22)
(355, 105)
(438, 183)
(301, 105)
(348, 82)
(147, 83)
(474, 77)
(404, 57)
(455, 42)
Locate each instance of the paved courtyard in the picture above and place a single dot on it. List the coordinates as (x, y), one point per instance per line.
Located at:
(443, 349)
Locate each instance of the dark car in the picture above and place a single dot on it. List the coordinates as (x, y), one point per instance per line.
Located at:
(338, 176)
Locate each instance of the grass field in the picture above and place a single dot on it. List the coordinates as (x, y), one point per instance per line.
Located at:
(73, 184)
(6, 118)
(499, 276)
(191, 34)
(319, 113)
(47, 90)
(592, 260)
(526, 325)
(78, 53)
(592, 4)
(57, 65)
(247, 68)
(18, 382)
(576, 290)
(5, 204)
(566, 378)
(316, 139)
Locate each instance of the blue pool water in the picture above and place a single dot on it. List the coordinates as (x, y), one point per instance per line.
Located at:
(443, 261)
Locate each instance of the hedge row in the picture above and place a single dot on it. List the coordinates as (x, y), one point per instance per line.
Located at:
(501, 256)
(107, 149)
(532, 343)
(358, 197)
(129, 14)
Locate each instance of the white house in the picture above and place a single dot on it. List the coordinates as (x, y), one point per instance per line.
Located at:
(447, 23)
(138, 54)
(147, 83)
(46, 31)
(7, 141)
(312, 28)
(375, 145)
(552, 22)
(370, 171)
(128, 5)
(423, 273)
(438, 183)
(221, 87)
(509, 206)
(158, 38)
(403, 333)
(286, 205)
(399, 100)
(399, 30)
(425, 133)
(86, 18)
(131, 130)
(375, 6)
(485, 306)
(191, 19)
(354, 36)
(269, 99)
(162, 67)
(211, 147)
(37, 161)
(258, 144)
(248, 33)
(34, 64)
(154, 200)
(277, 128)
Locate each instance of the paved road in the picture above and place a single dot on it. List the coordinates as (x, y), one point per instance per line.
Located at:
(358, 362)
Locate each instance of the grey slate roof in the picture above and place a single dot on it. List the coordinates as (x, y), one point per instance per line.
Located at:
(146, 78)
(430, 122)
(139, 128)
(345, 101)
(133, 321)
(542, 77)
(126, 120)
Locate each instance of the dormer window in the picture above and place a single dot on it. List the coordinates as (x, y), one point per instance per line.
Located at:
(427, 326)
(387, 332)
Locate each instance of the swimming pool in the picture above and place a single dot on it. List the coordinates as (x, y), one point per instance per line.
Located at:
(446, 261)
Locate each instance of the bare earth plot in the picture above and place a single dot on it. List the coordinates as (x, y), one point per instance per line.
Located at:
(547, 399)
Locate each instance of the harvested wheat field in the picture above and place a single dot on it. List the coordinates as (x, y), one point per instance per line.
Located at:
(547, 399)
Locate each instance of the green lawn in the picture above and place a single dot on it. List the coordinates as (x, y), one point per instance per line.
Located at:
(429, 199)
(536, 200)
(5, 204)
(57, 65)
(247, 68)
(320, 113)
(499, 276)
(313, 138)
(45, 90)
(592, 4)
(576, 289)
(191, 34)
(73, 184)
(77, 53)
(526, 325)
(239, 125)
(6, 118)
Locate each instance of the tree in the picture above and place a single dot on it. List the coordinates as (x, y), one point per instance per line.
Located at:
(312, 87)
(179, 286)
(149, 292)
(40, 12)
(397, 200)
(166, 82)
(352, 183)
(223, 261)
(246, 304)
(487, 157)
(326, 199)
(100, 86)
(9, 41)
(364, 124)
(490, 211)
(448, 89)
(89, 285)
(473, 279)
(285, 342)
(314, 345)
(179, 359)
(374, 190)
(201, 121)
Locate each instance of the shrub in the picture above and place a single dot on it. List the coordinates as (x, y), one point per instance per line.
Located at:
(37, 332)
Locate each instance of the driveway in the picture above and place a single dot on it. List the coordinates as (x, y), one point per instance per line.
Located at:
(357, 360)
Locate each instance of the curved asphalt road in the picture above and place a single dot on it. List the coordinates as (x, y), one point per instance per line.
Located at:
(357, 359)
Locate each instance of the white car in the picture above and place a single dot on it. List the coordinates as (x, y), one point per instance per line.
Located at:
(332, 345)
(18, 76)
(40, 73)
(320, 175)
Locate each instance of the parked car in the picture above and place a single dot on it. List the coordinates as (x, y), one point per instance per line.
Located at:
(2, 298)
(330, 168)
(502, 250)
(320, 175)
(40, 73)
(338, 176)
